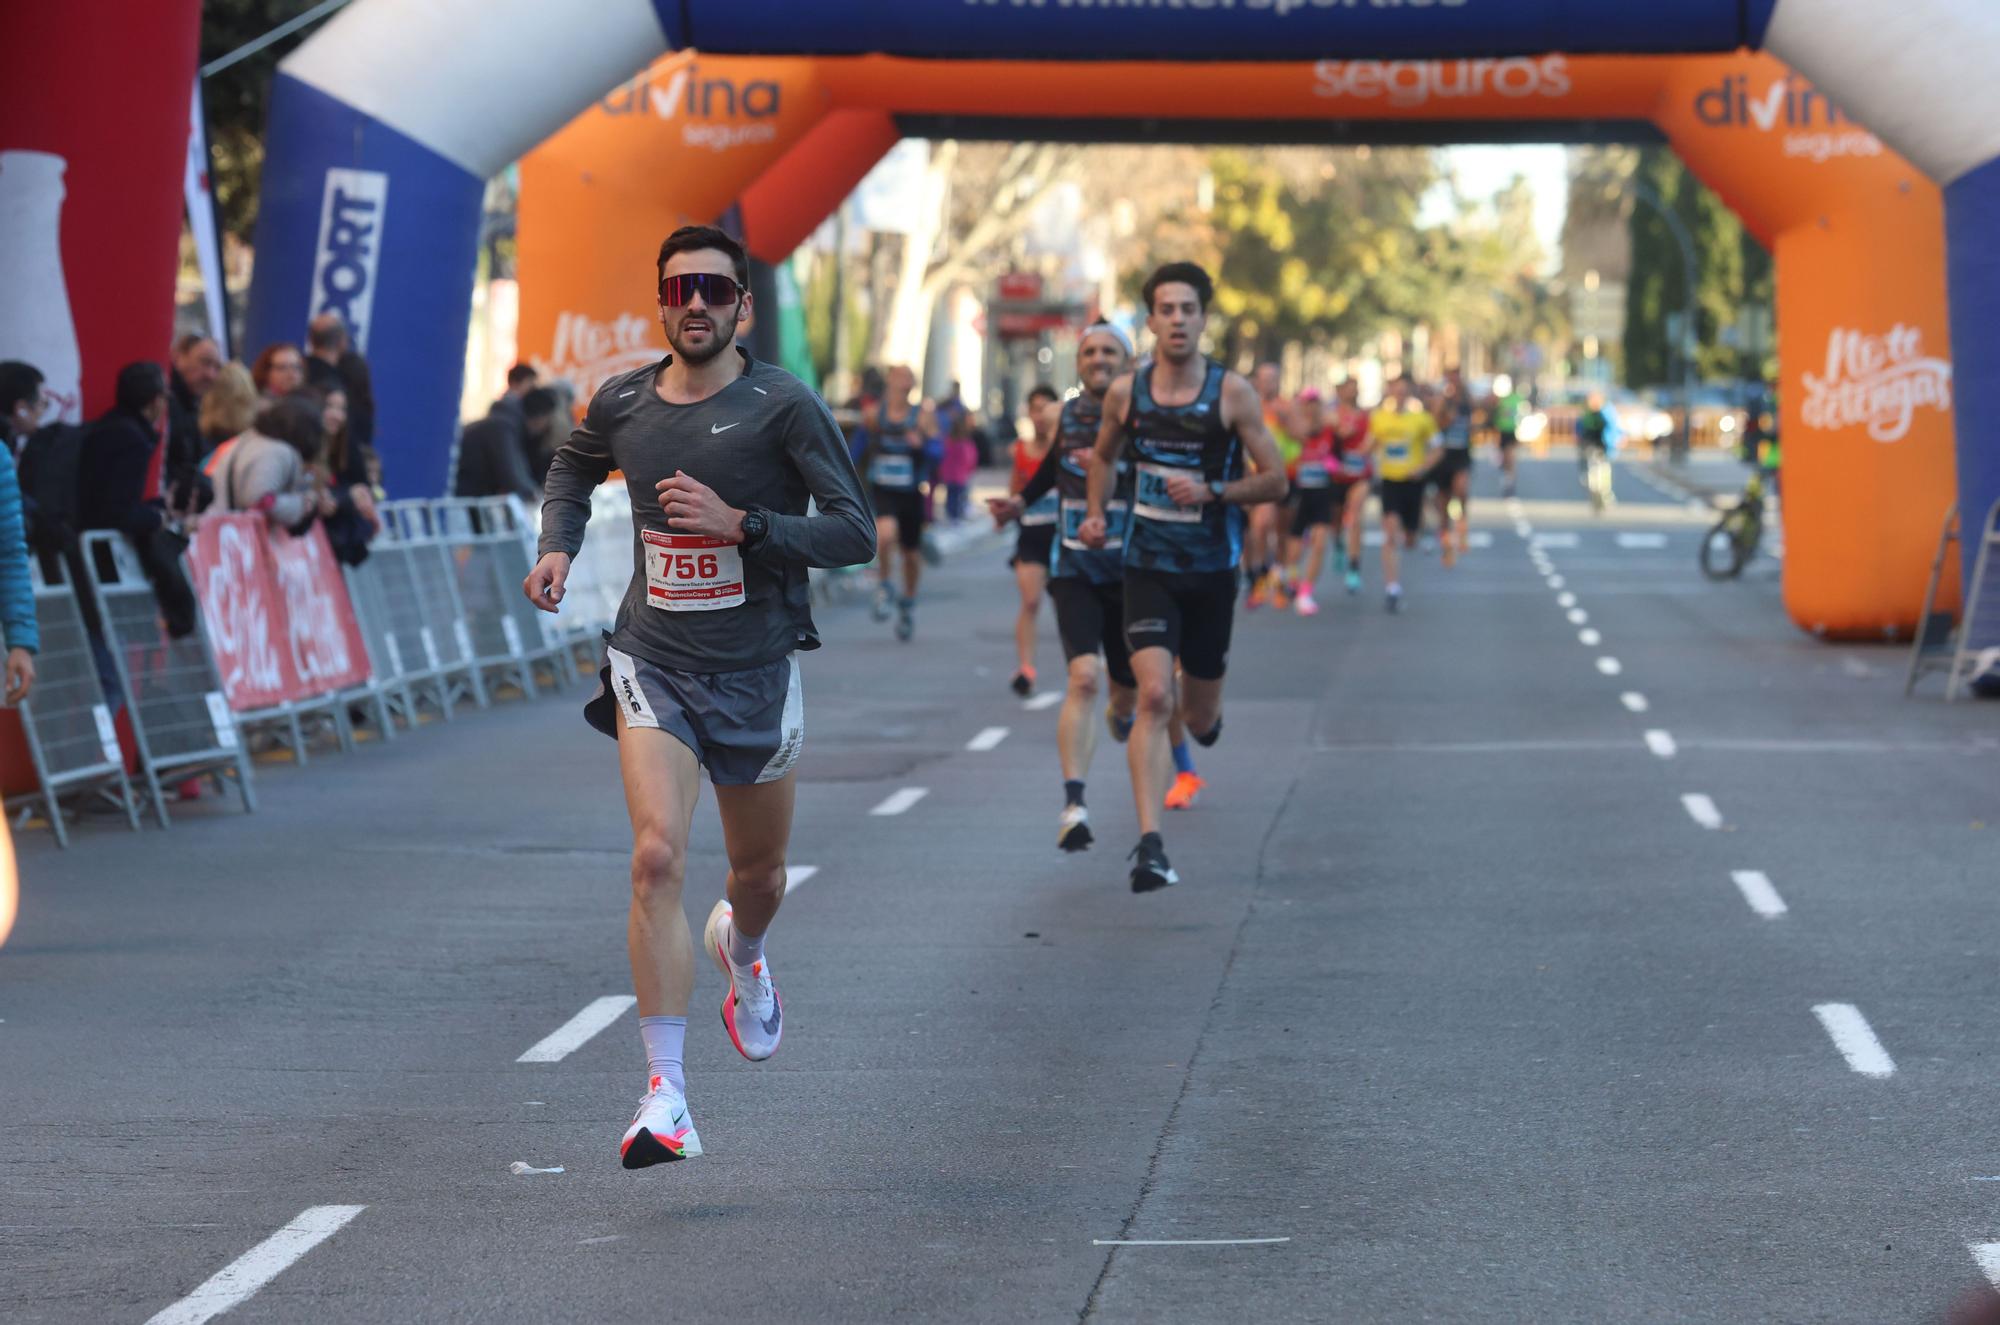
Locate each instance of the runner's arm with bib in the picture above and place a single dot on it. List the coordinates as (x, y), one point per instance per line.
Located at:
(580, 465)
(1104, 457)
(1043, 482)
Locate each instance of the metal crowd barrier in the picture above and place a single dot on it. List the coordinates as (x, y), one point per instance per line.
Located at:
(181, 723)
(421, 621)
(1936, 645)
(487, 543)
(1978, 652)
(65, 718)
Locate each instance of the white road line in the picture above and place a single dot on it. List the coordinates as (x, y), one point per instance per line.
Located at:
(1045, 699)
(1988, 1256)
(1757, 891)
(1524, 531)
(1557, 582)
(1556, 540)
(796, 875)
(1566, 600)
(1634, 701)
(1185, 1242)
(1661, 743)
(1589, 638)
(1577, 616)
(899, 801)
(1610, 666)
(238, 1281)
(1478, 538)
(1856, 1041)
(1642, 540)
(573, 1034)
(987, 738)
(1702, 810)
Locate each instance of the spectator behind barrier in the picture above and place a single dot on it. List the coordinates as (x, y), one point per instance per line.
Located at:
(279, 370)
(270, 469)
(118, 487)
(229, 407)
(542, 450)
(344, 474)
(492, 455)
(22, 404)
(332, 364)
(196, 365)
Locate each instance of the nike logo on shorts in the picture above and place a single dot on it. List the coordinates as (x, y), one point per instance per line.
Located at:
(723, 427)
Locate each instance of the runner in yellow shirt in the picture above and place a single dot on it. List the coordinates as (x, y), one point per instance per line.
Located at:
(1404, 434)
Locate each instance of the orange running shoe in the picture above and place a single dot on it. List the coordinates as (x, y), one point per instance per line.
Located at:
(1186, 791)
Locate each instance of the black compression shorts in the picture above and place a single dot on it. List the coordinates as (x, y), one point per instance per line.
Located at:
(1034, 545)
(1404, 499)
(1089, 618)
(1451, 463)
(1318, 506)
(1189, 614)
(906, 507)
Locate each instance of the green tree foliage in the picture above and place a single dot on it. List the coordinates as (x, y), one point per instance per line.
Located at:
(1733, 271)
(238, 100)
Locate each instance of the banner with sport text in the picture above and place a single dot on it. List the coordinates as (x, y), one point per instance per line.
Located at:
(277, 612)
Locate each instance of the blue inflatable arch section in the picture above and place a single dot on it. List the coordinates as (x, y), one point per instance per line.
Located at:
(385, 126)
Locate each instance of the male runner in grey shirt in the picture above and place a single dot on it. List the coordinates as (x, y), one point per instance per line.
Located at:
(720, 453)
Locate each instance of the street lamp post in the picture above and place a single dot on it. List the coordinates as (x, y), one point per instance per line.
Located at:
(1644, 193)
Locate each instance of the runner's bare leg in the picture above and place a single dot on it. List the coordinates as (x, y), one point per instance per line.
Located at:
(662, 784)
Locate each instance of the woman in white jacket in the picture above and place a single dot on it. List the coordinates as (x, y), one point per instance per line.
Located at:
(270, 468)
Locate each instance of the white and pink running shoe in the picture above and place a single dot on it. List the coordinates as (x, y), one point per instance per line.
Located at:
(751, 1010)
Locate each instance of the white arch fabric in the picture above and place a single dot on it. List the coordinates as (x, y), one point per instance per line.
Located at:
(430, 70)
(1918, 73)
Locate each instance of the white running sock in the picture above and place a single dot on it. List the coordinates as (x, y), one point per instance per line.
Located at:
(744, 951)
(664, 1037)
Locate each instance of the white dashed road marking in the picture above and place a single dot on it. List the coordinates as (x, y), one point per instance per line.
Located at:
(1757, 891)
(796, 875)
(1642, 540)
(898, 801)
(1634, 701)
(1556, 540)
(1185, 1242)
(1589, 638)
(1610, 666)
(1661, 743)
(573, 1034)
(238, 1281)
(1045, 699)
(1566, 600)
(1702, 810)
(1856, 1041)
(987, 738)
(1556, 582)
(1577, 616)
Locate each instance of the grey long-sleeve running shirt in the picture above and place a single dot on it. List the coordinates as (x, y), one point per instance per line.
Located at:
(764, 440)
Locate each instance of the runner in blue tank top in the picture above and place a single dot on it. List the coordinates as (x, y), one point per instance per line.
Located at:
(1188, 425)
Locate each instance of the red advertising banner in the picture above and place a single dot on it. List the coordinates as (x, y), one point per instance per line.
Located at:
(277, 612)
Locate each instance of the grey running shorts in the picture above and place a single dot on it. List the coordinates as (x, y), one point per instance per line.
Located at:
(745, 727)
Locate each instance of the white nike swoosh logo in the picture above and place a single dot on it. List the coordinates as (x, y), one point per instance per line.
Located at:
(722, 427)
(633, 392)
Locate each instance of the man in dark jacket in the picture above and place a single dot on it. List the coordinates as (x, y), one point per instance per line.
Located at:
(333, 365)
(492, 456)
(118, 451)
(197, 363)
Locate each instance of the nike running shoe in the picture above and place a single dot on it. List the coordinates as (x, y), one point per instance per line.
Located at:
(1073, 829)
(662, 1130)
(1150, 870)
(885, 601)
(1393, 600)
(751, 1010)
(1279, 596)
(1304, 604)
(1186, 790)
(1353, 581)
(1121, 727)
(906, 619)
(1024, 682)
(1339, 558)
(1260, 593)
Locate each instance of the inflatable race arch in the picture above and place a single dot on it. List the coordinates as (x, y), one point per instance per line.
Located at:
(1869, 160)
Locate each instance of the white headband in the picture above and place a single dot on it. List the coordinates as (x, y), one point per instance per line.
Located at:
(1117, 334)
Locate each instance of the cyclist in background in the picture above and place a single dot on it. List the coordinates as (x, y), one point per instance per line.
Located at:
(1597, 438)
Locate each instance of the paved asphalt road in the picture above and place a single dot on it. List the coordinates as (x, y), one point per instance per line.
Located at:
(1459, 1013)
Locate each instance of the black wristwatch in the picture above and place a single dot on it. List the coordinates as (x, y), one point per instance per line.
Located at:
(756, 524)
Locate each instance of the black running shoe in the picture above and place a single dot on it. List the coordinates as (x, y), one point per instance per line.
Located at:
(1150, 871)
(1023, 684)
